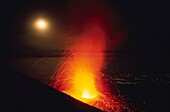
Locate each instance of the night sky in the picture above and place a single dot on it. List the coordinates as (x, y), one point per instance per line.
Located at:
(146, 43)
(143, 50)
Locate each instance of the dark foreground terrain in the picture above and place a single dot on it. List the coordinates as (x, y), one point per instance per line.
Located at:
(20, 93)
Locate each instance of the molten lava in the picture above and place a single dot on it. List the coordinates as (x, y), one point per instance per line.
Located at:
(83, 67)
(80, 74)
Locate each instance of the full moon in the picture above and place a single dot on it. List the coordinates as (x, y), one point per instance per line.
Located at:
(41, 24)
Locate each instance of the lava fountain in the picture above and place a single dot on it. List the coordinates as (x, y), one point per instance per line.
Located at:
(79, 70)
(79, 74)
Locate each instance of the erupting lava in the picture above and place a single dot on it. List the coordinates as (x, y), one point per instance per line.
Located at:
(80, 73)
(80, 70)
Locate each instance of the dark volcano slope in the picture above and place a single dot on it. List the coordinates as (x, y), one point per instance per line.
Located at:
(20, 93)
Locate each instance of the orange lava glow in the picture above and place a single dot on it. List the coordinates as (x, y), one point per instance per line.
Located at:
(79, 75)
(83, 66)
